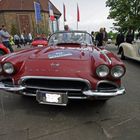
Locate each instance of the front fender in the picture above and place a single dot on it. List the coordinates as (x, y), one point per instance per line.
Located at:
(4, 49)
(128, 49)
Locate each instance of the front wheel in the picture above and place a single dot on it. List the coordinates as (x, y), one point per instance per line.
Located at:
(122, 55)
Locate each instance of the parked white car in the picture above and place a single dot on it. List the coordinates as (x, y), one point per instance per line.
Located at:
(132, 51)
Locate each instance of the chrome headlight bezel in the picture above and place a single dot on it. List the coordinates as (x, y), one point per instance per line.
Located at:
(117, 71)
(102, 71)
(8, 68)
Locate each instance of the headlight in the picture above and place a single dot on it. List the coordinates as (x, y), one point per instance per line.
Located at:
(102, 71)
(8, 68)
(117, 71)
(0, 68)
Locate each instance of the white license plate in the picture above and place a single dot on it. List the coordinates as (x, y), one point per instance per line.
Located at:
(40, 45)
(54, 98)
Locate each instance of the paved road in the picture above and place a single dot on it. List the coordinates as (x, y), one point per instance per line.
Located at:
(117, 119)
(21, 48)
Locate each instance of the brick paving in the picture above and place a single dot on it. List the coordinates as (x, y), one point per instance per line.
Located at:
(22, 47)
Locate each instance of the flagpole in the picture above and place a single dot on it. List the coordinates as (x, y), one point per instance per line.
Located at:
(78, 15)
(37, 28)
(52, 27)
(64, 14)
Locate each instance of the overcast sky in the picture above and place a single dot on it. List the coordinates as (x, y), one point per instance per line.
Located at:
(93, 14)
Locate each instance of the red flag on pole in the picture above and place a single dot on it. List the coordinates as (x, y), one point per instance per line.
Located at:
(64, 12)
(50, 11)
(78, 13)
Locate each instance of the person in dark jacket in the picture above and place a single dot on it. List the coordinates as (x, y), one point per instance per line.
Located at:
(138, 35)
(99, 37)
(105, 36)
(119, 38)
(129, 37)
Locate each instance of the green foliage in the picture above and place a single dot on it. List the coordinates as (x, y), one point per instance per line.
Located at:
(112, 35)
(13, 29)
(126, 13)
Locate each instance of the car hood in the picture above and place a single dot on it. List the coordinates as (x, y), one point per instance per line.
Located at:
(61, 53)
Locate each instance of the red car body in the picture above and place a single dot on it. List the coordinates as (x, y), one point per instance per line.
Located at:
(3, 50)
(39, 42)
(64, 70)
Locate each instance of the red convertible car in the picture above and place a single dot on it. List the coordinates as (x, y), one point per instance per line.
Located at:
(71, 67)
(3, 50)
(39, 42)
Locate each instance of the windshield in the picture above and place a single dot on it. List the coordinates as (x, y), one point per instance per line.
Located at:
(71, 37)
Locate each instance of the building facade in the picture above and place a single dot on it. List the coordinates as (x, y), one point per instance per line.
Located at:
(19, 16)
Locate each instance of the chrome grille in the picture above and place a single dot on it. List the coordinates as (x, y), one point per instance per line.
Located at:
(55, 84)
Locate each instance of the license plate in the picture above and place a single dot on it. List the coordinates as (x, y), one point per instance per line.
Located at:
(40, 45)
(54, 98)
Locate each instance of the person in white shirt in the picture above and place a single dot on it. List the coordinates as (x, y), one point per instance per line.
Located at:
(5, 36)
(22, 39)
(30, 37)
(17, 40)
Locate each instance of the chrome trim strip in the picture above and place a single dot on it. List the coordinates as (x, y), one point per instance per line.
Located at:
(119, 91)
(27, 94)
(77, 97)
(103, 52)
(53, 78)
(69, 97)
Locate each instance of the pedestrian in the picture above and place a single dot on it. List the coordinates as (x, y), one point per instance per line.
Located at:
(12, 40)
(138, 35)
(0, 36)
(99, 37)
(5, 37)
(66, 28)
(105, 36)
(17, 40)
(26, 39)
(66, 35)
(93, 38)
(22, 39)
(130, 37)
(119, 38)
(30, 38)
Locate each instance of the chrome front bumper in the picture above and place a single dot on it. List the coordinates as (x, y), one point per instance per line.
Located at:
(119, 91)
(88, 93)
(11, 88)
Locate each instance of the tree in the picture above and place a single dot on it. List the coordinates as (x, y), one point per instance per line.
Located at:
(126, 13)
(112, 35)
(13, 29)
